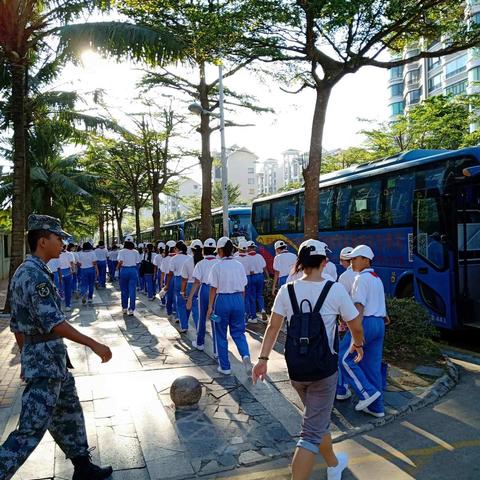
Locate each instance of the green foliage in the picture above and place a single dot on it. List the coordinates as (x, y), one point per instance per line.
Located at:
(6, 220)
(291, 186)
(411, 334)
(346, 158)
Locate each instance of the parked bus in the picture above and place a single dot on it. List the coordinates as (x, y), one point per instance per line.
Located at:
(168, 231)
(419, 211)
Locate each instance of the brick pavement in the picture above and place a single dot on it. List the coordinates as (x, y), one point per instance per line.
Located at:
(9, 365)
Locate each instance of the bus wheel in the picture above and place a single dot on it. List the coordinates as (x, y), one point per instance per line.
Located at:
(405, 290)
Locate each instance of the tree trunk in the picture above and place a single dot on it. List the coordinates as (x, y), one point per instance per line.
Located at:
(113, 226)
(28, 160)
(107, 233)
(119, 216)
(101, 228)
(19, 160)
(311, 173)
(156, 206)
(205, 161)
(137, 221)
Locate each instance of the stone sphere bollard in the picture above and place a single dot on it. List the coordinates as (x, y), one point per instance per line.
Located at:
(186, 392)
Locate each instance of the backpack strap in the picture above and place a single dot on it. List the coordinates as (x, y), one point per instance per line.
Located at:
(323, 296)
(293, 298)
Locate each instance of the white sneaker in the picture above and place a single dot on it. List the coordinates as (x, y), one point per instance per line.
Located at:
(198, 347)
(363, 404)
(374, 414)
(335, 473)
(130, 313)
(247, 363)
(124, 311)
(224, 372)
(252, 320)
(345, 396)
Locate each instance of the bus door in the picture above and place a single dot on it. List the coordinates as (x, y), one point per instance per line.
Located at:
(432, 259)
(467, 222)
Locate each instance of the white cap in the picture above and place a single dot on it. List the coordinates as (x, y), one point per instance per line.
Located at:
(251, 244)
(361, 251)
(210, 243)
(140, 245)
(314, 247)
(128, 238)
(222, 242)
(171, 243)
(345, 252)
(196, 244)
(280, 244)
(160, 245)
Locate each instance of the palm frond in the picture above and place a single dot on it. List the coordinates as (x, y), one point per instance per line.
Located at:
(68, 186)
(121, 40)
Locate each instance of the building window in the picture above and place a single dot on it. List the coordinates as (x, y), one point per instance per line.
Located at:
(413, 97)
(475, 74)
(435, 82)
(251, 191)
(251, 169)
(414, 76)
(433, 63)
(397, 108)
(251, 181)
(396, 90)
(456, 66)
(457, 88)
(396, 72)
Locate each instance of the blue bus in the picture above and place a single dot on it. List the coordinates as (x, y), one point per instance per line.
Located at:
(419, 211)
(168, 231)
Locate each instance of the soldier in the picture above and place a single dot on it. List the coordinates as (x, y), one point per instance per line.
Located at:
(50, 401)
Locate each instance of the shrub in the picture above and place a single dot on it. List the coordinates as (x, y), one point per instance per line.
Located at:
(411, 333)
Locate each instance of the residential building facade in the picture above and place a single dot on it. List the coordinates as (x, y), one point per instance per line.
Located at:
(174, 205)
(269, 177)
(293, 163)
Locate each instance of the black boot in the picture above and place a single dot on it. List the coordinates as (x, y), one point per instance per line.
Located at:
(86, 470)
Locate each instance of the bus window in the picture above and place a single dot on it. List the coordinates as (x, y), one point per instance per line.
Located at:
(431, 178)
(261, 218)
(284, 214)
(240, 226)
(343, 203)
(398, 199)
(365, 204)
(325, 209)
(217, 226)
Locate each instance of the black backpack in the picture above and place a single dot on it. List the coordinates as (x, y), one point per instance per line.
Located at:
(307, 351)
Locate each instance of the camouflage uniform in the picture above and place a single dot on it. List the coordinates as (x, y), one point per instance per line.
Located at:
(50, 401)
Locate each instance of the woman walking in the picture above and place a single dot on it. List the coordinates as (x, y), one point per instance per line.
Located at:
(87, 260)
(169, 294)
(148, 270)
(312, 359)
(188, 281)
(128, 259)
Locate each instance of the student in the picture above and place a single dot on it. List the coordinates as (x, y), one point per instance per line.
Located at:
(113, 262)
(368, 295)
(87, 260)
(187, 279)
(141, 279)
(78, 283)
(227, 293)
(174, 281)
(148, 270)
(128, 259)
(169, 293)
(316, 387)
(158, 268)
(258, 272)
(201, 276)
(348, 276)
(66, 263)
(283, 263)
(101, 253)
(243, 258)
(54, 266)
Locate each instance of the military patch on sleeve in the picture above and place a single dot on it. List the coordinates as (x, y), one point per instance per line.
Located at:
(43, 289)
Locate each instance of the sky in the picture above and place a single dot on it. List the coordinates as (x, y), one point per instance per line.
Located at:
(362, 95)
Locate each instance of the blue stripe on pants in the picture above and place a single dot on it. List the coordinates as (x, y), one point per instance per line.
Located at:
(128, 286)
(171, 299)
(194, 310)
(203, 299)
(366, 377)
(67, 281)
(231, 309)
(258, 282)
(282, 280)
(149, 284)
(88, 281)
(181, 304)
(250, 298)
(102, 272)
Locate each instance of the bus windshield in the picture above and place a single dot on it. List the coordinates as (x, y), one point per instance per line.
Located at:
(240, 226)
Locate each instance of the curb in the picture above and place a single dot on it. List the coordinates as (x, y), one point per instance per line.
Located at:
(440, 388)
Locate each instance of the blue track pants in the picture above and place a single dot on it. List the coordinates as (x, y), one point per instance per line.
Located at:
(149, 285)
(88, 281)
(282, 281)
(67, 281)
(102, 273)
(194, 310)
(181, 304)
(231, 309)
(128, 286)
(203, 299)
(258, 282)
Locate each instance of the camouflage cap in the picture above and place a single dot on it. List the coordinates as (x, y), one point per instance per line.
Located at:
(45, 222)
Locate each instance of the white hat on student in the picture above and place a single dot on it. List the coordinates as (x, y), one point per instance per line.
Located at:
(242, 245)
(280, 244)
(222, 242)
(171, 243)
(210, 243)
(314, 247)
(160, 245)
(345, 252)
(128, 238)
(251, 244)
(361, 251)
(196, 244)
(141, 245)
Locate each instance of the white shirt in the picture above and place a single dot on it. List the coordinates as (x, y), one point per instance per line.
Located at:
(187, 269)
(337, 303)
(368, 290)
(256, 263)
(176, 264)
(65, 260)
(284, 262)
(347, 278)
(130, 258)
(202, 269)
(101, 254)
(145, 257)
(244, 260)
(331, 269)
(53, 264)
(86, 259)
(158, 261)
(166, 263)
(113, 255)
(228, 276)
